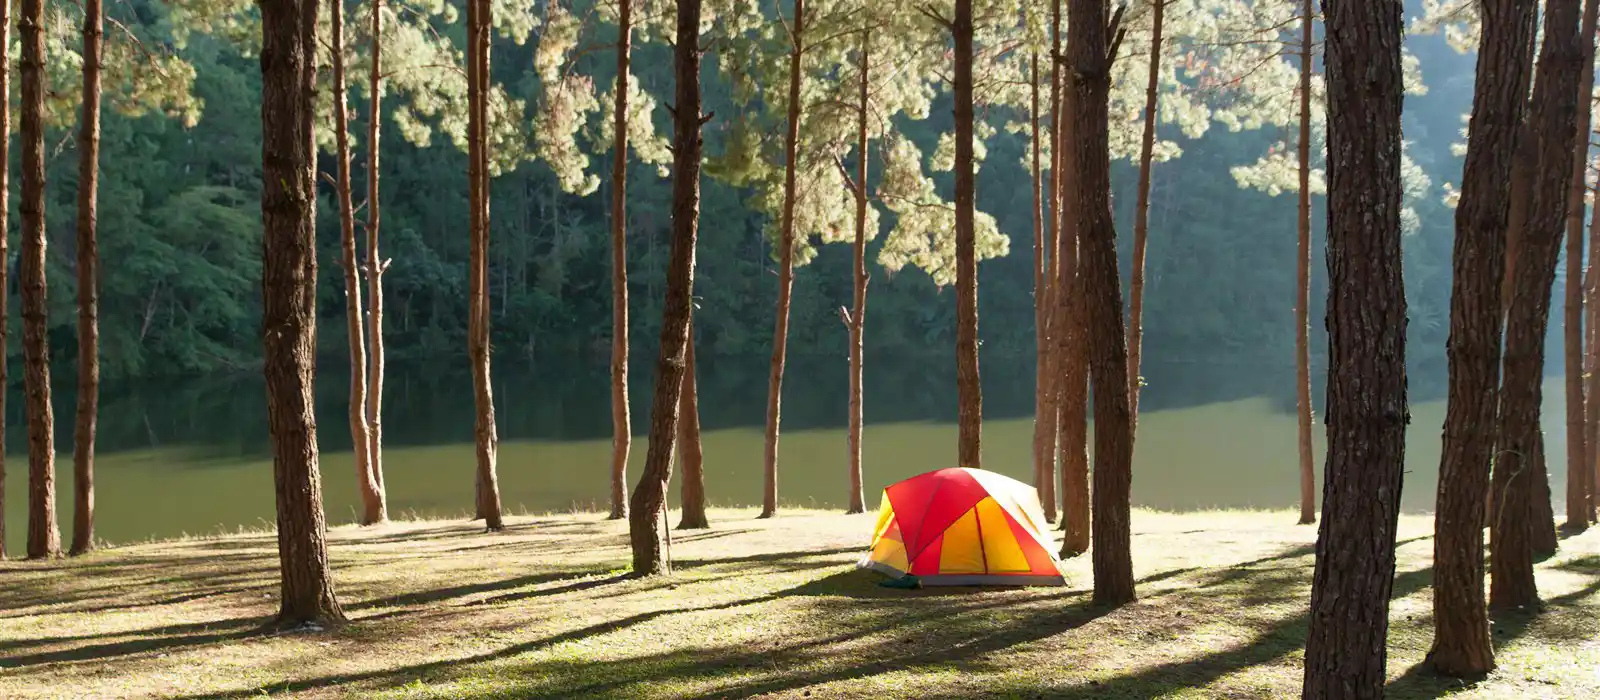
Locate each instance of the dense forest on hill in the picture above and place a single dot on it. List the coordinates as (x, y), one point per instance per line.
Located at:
(179, 228)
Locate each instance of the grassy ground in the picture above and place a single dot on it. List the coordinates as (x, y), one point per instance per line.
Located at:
(765, 608)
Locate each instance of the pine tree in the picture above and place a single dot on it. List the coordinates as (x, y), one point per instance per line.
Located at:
(1141, 210)
(647, 507)
(1367, 410)
(1580, 451)
(487, 440)
(1518, 518)
(1461, 644)
(375, 267)
(1092, 49)
(44, 537)
(288, 314)
(360, 437)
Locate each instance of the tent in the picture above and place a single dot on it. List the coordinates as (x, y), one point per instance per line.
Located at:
(963, 527)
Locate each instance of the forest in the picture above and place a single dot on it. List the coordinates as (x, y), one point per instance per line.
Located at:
(1381, 202)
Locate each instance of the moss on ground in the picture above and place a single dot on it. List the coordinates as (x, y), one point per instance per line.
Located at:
(766, 608)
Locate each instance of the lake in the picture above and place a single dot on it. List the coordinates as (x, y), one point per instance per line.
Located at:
(192, 456)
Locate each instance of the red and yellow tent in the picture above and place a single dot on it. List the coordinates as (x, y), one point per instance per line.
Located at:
(963, 527)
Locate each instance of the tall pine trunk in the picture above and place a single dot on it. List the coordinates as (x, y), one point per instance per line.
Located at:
(487, 441)
(690, 452)
(780, 333)
(5, 252)
(1592, 365)
(1302, 300)
(1049, 383)
(1090, 52)
(1461, 643)
(88, 284)
(1580, 448)
(375, 268)
(360, 439)
(969, 385)
(858, 313)
(1367, 410)
(289, 306)
(621, 425)
(1141, 211)
(1044, 417)
(44, 537)
(1517, 521)
(1072, 341)
(648, 506)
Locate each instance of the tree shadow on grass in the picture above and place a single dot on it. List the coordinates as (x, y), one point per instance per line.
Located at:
(155, 639)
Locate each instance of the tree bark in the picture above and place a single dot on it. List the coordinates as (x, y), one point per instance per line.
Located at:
(1048, 405)
(487, 440)
(1091, 59)
(621, 425)
(1367, 410)
(360, 439)
(780, 333)
(858, 315)
(969, 385)
(88, 284)
(1071, 344)
(1302, 303)
(1462, 646)
(1593, 365)
(376, 266)
(44, 536)
(5, 252)
(1518, 521)
(1044, 414)
(288, 311)
(1141, 211)
(690, 453)
(1579, 449)
(647, 507)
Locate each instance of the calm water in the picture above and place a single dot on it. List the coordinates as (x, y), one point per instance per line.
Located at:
(192, 456)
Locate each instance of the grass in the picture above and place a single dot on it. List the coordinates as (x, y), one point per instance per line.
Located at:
(757, 608)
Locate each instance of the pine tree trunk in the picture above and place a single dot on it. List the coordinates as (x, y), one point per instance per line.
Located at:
(375, 267)
(1367, 409)
(691, 455)
(780, 333)
(621, 426)
(1141, 211)
(1545, 539)
(478, 23)
(360, 439)
(1579, 448)
(1088, 50)
(44, 537)
(858, 315)
(88, 284)
(1048, 405)
(288, 311)
(1462, 646)
(1592, 366)
(5, 248)
(1302, 303)
(1519, 519)
(647, 507)
(1056, 291)
(1071, 345)
(969, 385)
(1044, 414)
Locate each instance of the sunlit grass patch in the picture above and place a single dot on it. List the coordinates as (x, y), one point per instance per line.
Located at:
(440, 609)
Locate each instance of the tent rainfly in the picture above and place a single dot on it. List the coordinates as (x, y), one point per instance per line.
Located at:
(963, 527)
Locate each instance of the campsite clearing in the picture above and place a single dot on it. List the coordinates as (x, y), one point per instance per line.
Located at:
(758, 607)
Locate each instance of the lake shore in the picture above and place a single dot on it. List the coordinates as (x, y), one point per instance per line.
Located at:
(440, 609)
